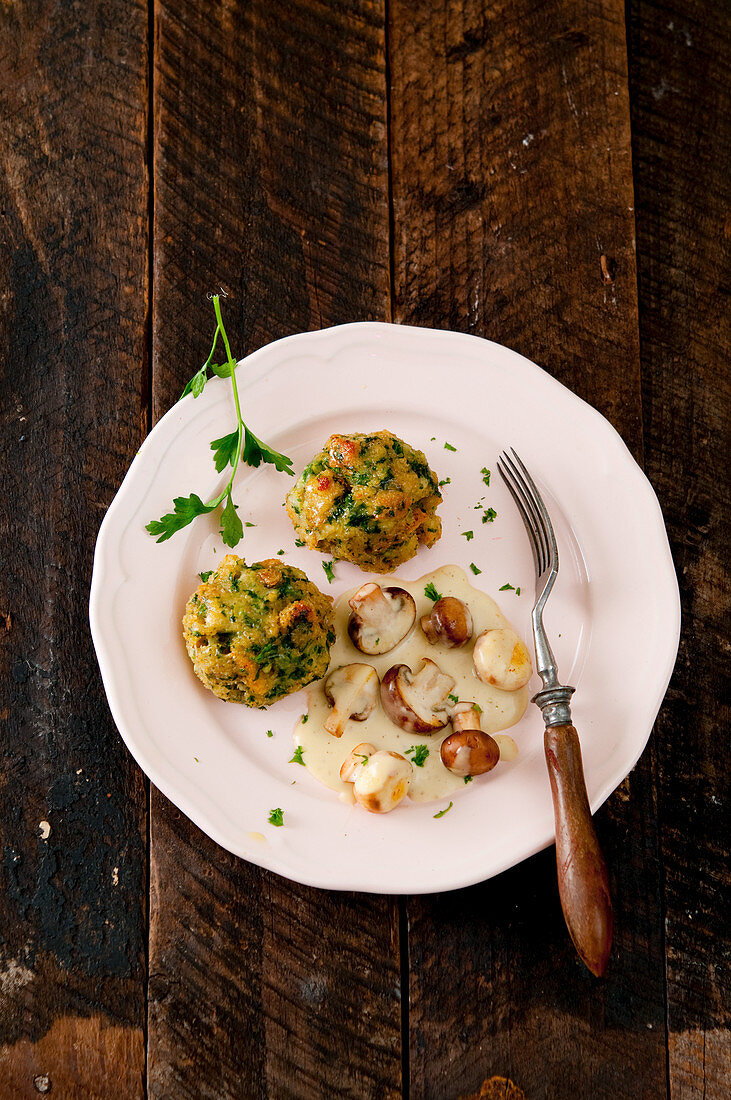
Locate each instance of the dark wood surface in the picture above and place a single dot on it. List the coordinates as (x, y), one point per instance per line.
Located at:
(483, 166)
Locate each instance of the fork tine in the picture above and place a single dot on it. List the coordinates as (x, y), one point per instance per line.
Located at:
(552, 546)
(530, 504)
(528, 520)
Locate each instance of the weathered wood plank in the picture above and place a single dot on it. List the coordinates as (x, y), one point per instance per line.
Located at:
(271, 180)
(682, 142)
(73, 284)
(511, 178)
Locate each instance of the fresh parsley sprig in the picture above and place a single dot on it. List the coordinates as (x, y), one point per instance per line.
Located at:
(229, 450)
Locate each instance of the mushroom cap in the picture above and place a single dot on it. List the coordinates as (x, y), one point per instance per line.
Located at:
(383, 781)
(416, 701)
(381, 617)
(469, 752)
(352, 692)
(357, 758)
(500, 658)
(449, 623)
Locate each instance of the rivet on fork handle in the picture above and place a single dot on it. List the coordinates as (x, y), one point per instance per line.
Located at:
(583, 883)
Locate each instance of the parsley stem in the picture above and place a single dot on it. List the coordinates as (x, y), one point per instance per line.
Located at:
(240, 422)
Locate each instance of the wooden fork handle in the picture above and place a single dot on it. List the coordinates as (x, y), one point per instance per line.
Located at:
(583, 883)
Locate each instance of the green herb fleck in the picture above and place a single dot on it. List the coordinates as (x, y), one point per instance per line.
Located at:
(280, 552)
(445, 811)
(468, 535)
(485, 475)
(449, 447)
(276, 817)
(474, 569)
(446, 481)
(477, 707)
(247, 524)
(468, 779)
(328, 567)
(420, 753)
(433, 438)
(305, 718)
(299, 542)
(297, 758)
(196, 760)
(517, 591)
(454, 698)
(431, 592)
(270, 733)
(229, 450)
(206, 574)
(507, 588)
(489, 515)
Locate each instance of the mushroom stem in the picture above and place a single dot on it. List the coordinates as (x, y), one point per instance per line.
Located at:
(352, 692)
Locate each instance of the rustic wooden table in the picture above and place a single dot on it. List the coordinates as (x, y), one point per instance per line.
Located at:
(463, 164)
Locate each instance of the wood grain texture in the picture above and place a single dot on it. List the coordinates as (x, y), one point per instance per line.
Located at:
(73, 300)
(681, 92)
(271, 181)
(511, 177)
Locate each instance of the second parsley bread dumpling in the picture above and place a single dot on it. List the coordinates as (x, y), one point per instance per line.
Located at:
(258, 632)
(367, 498)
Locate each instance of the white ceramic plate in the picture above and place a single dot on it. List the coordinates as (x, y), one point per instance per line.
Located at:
(613, 617)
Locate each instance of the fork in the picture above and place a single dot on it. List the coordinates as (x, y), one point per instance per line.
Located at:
(582, 873)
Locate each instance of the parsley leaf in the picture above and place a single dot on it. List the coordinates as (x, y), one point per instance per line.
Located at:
(232, 529)
(431, 592)
(468, 535)
(229, 450)
(186, 510)
(225, 450)
(297, 758)
(305, 718)
(507, 587)
(270, 733)
(255, 452)
(449, 447)
(420, 754)
(517, 591)
(299, 542)
(489, 515)
(477, 707)
(485, 475)
(474, 569)
(445, 811)
(276, 817)
(206, 574)
(329, 572)
(468, 779)
(454, 698)
(447, 481)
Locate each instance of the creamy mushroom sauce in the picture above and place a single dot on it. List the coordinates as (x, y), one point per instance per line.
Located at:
(323, 754)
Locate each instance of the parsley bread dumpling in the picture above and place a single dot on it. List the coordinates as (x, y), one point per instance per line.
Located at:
(256, 633)
(370, 499)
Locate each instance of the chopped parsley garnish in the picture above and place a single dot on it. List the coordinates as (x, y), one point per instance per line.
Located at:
(485, 475)
(276, 817)
(517, 591)
(445, 811)
(446, 481)
(270, 733)
(449, 447)
(299, 542)
(280, 551)
(468, 535)
(206, 574)
(433, 438)
(239, 445)
(468, 779)
(420, 753)
(454, 698)
(328, 567)
(431, 592)
(297, 758)
(507, 588)
(247, 524)
(489, 515)
(474, 569)
(305, 718)
(477, 707)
